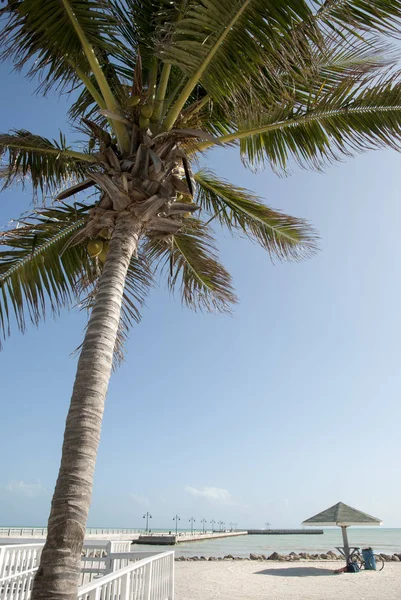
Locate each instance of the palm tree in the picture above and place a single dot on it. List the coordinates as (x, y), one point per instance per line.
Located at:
(155, 84)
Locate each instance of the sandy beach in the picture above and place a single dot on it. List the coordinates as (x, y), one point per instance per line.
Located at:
(252, 580)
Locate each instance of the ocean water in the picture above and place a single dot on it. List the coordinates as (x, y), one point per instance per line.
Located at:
(381, 540)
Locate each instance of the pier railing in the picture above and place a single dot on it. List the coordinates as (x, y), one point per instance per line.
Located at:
(41, 532)
(100, 572)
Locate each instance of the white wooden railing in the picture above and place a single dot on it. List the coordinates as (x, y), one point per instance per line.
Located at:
(19, 558)
(106, 573)
(96, 561)
(147, 579)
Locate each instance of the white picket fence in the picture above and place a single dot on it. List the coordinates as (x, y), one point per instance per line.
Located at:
(107, 573)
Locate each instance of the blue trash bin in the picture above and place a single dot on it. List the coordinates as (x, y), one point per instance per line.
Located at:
(369, 558)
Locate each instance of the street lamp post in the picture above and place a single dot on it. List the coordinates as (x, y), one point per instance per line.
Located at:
(176, 519)
(221, 523)
(231, 525)
(203, 521)
(212, 523)
(147, 517)
(235, 526)
(267, 525)
(192, 521)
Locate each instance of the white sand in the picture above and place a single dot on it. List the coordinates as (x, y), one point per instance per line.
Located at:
(253, 580)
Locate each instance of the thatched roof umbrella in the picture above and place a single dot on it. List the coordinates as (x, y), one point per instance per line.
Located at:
(343, 516)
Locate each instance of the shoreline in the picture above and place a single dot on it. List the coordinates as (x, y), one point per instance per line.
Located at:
(291, 557)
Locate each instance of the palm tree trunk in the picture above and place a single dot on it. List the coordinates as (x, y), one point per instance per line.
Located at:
(59, 570)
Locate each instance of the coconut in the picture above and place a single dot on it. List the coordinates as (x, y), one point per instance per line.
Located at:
(143, 122)
(146, 111)
(94, 248)
(134, 101)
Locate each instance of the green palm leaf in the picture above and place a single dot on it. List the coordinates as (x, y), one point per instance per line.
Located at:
(240, 210)
(49, 164)
(342, 121)
(37, 269)
(337, 71)
(42, 268)
(65, 38)
(190, 257)
(351, 15)
(143, 25)
(239, 37)
(42, 34)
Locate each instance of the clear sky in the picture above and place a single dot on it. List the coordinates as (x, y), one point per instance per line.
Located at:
(272, 414)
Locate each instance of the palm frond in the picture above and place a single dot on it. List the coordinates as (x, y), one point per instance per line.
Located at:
(241, 211)
(340, 67)
(63, 38)
(342, 121)
(353, 16)
(49, 164)
(35, 273)
(143, 25)
(192, 264)
(248, 39)
(336, 68)
(40, 33)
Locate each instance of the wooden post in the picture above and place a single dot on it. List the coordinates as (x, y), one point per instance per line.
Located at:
(345, 542)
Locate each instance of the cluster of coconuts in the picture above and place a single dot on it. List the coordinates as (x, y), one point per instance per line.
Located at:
(99, 247)
(146, 112)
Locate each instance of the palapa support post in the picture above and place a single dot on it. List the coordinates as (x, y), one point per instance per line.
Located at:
(345, 542)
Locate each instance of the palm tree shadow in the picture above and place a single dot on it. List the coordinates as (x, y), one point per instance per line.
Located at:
(297, 572)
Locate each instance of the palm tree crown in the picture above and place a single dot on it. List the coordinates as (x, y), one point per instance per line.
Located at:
(160, 82)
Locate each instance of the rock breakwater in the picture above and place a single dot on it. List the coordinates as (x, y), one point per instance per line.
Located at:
(291, 557)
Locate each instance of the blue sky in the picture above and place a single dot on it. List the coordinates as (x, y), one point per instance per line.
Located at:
(272, 414)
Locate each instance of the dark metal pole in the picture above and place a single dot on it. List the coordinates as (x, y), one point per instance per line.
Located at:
(176, 519)
(192, 521)
(147, 517)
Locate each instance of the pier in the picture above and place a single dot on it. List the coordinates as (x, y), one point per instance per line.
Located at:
(171, 539)
(285, 531)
